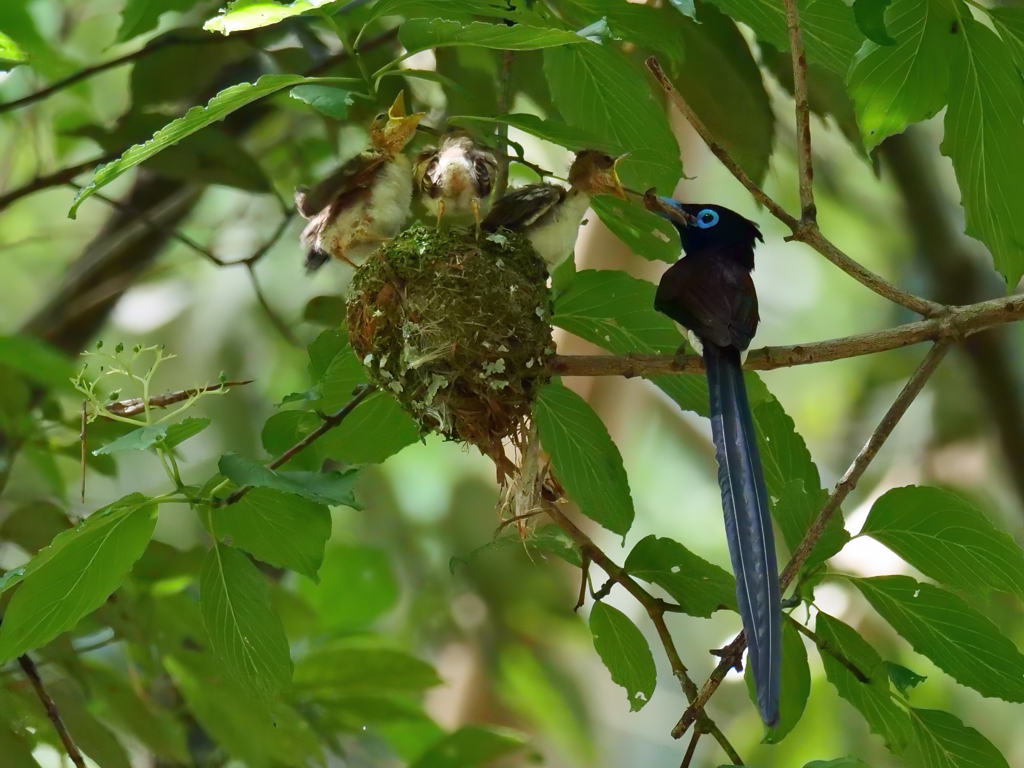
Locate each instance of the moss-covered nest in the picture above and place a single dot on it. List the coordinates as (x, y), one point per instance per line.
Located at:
(457, 329)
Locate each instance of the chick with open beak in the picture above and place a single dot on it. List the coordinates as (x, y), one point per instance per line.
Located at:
(549, 214)
(366, 201)
(456, 177)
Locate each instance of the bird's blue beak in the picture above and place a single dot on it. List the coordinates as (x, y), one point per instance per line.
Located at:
(667, 208)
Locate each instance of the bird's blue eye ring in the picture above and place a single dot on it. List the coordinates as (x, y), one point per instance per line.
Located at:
(707, 218)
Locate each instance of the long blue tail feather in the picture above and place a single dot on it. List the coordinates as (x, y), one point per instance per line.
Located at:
(748, 524)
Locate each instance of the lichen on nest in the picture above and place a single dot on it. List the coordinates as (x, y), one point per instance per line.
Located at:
(457, 329)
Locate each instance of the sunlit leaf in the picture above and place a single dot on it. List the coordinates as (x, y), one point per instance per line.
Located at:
(241, 15)
(76, 574)
(584, 458)
(984, 128)
(870, 16)
(333, 102)
(960, 640)
(421, 34)
(141, 16)
(948, 539)
(10, 54)
(246, 635)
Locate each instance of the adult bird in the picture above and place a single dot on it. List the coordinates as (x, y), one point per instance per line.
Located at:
(710, 293)
(456, 177)
(367, 200)
(549, 214)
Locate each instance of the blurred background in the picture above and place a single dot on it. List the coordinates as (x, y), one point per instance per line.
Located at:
(499, 626)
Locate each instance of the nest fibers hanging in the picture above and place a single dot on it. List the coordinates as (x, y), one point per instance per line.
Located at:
(457, 328)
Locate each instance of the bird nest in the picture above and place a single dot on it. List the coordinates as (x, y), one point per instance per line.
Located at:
(457, 329)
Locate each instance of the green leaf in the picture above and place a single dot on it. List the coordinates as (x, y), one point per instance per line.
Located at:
(33, 525)
(548, 539)
(37, 360)
(1009, 23)
(20, 27)
(794, 487)
(369, 670)
(796, 685)
(220, 106)
(984, 129)
(584, 457)
(733, 104)
(183, 430)
(241, 15)
(284, 430)
(117, 702)
(624, 651)
(333, 102)
(357, 586)
(870, 16)
(872, 699)
(942, 741)
(830, 33)
(245, 634)
(319, 487)
(646, 234)
(615, 311)
(91, 736)
(279, 528)
(262, 733)
(839, 762)
(76, 574)
(685, 7)
(325, 310)
(598, 90)
(10, 54)
(421, 34)
(907, 81)
(141, 16)
(469, 747)
(642, 25)
(961, 641)
(459, 10)
(17, 751)
(949, 540)
(699, 587)
(904, 679)
(556, 132)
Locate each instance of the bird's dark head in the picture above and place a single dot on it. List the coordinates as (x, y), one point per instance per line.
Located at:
(703, 225)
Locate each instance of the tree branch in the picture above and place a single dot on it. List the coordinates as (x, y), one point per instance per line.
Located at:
(814, 638)
(804, 231)
(962, 321)
(55, 179)
(808, 211)
(655, 609)
(29, 667)
(330, 423)
(731, 653)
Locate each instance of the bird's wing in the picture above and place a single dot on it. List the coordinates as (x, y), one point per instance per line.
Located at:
(712, 298)
(522, 206)
(357, 173)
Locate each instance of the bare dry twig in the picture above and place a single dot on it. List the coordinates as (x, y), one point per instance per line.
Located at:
(732, 652)
(52, 712)
(966, 320)
(135, 405)
(804, 231)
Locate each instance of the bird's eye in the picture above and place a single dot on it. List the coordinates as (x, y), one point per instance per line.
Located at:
(707, 218)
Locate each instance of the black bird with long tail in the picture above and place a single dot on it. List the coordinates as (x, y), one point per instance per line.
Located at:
(710, 292)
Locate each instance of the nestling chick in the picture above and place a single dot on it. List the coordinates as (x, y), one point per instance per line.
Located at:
(456, 177)
(367, 200)
(548, 214)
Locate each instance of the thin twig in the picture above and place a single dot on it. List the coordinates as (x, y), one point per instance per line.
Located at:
(88, 72)
(834, 653)
(690, 750)
(808, 211)
(655, 609)
(275, 319)
(732, 652)
(803, 231)
(51, 710)
(81, 438)
(966, 320)
(136, 405)
(330, 423)
(55, 179)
